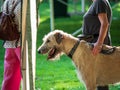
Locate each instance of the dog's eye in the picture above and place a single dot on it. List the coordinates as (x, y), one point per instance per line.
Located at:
(48, 41)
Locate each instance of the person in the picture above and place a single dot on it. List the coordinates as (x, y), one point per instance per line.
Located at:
(12, 72)
(96, 22)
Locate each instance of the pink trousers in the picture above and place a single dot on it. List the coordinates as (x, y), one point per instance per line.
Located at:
(12, 72)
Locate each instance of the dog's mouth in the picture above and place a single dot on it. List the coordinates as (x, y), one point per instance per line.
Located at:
(52, 53)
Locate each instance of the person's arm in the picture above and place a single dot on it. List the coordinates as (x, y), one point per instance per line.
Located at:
(102, 34)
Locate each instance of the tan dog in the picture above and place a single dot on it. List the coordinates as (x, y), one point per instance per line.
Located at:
(95, 70)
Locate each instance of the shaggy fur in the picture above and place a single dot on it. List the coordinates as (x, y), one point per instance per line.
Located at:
(95, 70)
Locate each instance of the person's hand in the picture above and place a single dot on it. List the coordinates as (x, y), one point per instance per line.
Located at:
(97, 48)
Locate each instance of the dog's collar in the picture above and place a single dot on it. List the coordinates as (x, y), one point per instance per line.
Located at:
(73, 49)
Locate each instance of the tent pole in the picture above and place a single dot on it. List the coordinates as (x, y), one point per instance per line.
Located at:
(51, 15)
(23, 47)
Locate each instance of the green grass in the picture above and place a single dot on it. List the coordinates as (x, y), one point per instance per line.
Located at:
(1, 62)
(56, 74)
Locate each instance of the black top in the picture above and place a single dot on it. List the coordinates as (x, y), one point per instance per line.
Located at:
(91, 23)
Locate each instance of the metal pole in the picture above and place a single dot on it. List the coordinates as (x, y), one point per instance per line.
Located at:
(74, 4)
(83, 6)
(51, 15)
(33, 15)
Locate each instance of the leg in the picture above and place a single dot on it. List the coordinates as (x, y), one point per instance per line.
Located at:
(12, 73)
(102, 88)
(90, 85)
(90, 81)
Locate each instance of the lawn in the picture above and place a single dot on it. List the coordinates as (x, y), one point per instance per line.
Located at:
(61, 74)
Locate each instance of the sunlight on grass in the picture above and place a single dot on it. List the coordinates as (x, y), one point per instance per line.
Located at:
(69, 86)
(116, 11)
(118, 7)
(44, 19)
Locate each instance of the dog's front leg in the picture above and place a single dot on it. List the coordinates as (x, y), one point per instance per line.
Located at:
(89, 79)
(90, 86)
(90, 82)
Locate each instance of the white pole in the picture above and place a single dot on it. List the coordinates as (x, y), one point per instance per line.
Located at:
(51, 15)
(29, 43)
(33, 14)
(77, 31)
(74, 4)
(83, 6)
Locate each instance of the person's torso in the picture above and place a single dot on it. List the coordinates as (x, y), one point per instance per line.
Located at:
(91, 24)
(17, 12)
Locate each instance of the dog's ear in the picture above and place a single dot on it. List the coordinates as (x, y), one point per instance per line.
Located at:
(58, 37)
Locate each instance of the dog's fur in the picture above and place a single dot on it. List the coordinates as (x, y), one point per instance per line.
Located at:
(95, 70)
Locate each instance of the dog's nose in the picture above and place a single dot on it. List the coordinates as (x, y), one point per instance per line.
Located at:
(39, 51)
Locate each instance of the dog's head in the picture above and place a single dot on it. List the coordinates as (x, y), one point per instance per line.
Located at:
(51, 44)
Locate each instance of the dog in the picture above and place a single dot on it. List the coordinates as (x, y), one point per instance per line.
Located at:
(95, 70)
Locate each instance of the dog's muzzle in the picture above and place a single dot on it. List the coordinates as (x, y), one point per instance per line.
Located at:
(42, 50)
(39, 51)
